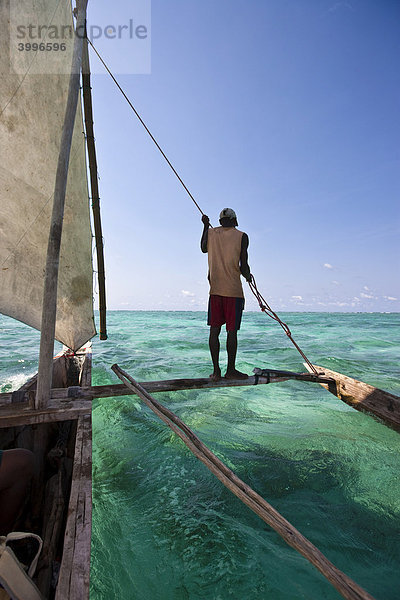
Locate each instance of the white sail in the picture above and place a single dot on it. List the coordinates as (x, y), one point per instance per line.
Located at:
(33, 92)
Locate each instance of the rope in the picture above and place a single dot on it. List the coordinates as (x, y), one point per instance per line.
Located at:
(261, 301)
(146, 128)
(264, 306)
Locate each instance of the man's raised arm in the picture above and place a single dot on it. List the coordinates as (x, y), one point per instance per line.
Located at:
(204, 237)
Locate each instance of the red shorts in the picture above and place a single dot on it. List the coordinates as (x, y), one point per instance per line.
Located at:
(223, 309)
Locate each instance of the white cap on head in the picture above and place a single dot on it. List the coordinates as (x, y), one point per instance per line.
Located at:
(227, 213)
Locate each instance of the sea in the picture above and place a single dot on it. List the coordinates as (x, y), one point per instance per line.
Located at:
(164, 528)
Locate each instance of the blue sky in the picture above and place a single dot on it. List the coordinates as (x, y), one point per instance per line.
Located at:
(286, 111)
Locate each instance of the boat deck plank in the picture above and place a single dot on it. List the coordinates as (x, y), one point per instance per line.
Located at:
(74, 576)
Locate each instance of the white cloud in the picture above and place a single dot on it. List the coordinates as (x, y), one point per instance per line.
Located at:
(389, 298)
(366, 288)
(328, 266)
(365, 295)
(335, 282)
(186, 293)
(340, 6)
(299, 298)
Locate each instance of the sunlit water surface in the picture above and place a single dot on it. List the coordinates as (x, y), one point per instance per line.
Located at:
(165, 529)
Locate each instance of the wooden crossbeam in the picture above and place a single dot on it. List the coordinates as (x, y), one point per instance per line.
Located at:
(169, 385)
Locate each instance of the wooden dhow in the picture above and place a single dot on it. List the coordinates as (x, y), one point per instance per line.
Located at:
(47, 283)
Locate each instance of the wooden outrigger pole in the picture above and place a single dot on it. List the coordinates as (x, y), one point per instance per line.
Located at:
(348, 588)
(362, 396)
(49, 310)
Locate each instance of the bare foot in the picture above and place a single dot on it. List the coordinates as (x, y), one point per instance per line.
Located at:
(235, 375)
(216, 376)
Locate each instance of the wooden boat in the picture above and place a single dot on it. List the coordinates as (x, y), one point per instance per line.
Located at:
(51, 414)
(46, 230)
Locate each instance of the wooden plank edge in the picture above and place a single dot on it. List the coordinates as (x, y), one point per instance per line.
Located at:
(16, 415)
(80, 578)
(74, 577)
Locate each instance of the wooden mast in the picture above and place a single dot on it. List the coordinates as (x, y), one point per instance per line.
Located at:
(87, 105)
(53, 250)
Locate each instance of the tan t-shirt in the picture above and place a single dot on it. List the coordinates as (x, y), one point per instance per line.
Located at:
(224, 247)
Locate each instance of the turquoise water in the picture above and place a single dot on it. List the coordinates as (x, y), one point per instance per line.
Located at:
(165, 529)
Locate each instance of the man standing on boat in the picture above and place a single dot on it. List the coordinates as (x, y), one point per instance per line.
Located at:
(227, 260)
